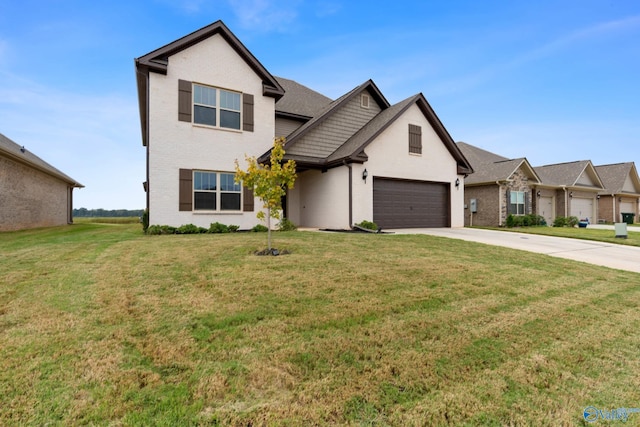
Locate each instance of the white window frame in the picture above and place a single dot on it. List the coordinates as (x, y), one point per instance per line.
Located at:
(219, 192)
(217, 105)
(365, 100)
(520, 202)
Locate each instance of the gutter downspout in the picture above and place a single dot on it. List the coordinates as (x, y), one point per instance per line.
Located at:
(500, 204)
(566, 202)
(613, 202)
(348, 165)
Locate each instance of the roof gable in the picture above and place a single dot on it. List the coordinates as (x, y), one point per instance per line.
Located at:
(490, 167)
(18, 153)
(157, 61)
(619, 178)
(571, 174)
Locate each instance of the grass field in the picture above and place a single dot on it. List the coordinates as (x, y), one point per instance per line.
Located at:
(102, 325)
(609, 236)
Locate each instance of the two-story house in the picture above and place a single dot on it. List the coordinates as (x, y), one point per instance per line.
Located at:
(206, 101)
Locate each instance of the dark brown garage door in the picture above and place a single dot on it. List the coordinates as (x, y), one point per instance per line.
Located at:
(410, 204)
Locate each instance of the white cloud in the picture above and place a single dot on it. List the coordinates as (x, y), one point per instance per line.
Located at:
(265, 15)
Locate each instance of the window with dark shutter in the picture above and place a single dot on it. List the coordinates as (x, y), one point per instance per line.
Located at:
(184, 101)
(247, 112)
(415, 139)
(186, 190)
(247, 197)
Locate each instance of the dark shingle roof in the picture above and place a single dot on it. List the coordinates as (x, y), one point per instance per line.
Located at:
(490, 167)
(15, 152)
(299, 100)
(566, 174)
(614, 176)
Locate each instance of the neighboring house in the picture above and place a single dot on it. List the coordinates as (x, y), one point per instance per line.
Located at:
(621, 193)
(502, 186)
(206, 101)
(498, 187)
(32, 192)
(568, 189)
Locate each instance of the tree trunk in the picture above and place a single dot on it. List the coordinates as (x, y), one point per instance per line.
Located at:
(269, 229)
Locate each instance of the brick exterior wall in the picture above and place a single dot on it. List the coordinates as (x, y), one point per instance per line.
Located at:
(606, 208)
(30, 198)
(493, 206)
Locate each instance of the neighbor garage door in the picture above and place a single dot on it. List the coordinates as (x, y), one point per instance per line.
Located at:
(582, 208)
(410, 204)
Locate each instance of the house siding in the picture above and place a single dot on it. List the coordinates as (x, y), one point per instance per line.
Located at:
(284, 127)
(320, 200)
(30, 198)
(176, 145)
(389, 157)
(488, 202)
(335, 130)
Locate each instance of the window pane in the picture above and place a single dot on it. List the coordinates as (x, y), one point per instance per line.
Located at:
(204, 181)
(227, 183)
(520, 197)
(230, 100)
(204, 95)
(204, 115)
(205, 201)
(230, 201)
(229, 119)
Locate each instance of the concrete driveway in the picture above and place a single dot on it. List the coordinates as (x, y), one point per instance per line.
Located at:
(605, 254)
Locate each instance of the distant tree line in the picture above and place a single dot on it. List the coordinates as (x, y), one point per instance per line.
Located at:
(118, 213)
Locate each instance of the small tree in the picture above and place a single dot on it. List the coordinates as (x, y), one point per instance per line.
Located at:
(269, 182)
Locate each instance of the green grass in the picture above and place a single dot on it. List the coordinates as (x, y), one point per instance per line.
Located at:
(609, 236)
(102, 325)
(106, 220)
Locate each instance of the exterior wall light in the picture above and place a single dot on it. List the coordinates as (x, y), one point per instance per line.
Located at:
(571, 194)
(457, 182)
(365, 174)
(538, 194)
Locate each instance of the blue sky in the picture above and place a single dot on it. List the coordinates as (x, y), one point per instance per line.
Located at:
(553, 81)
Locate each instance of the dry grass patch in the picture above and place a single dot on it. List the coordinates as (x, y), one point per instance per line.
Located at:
(104, 325)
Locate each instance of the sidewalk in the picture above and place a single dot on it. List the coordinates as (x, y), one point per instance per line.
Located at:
(635, 228)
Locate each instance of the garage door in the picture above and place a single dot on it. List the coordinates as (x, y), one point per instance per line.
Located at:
(582, 208)
(410, 204)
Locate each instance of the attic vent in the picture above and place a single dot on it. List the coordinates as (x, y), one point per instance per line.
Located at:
(364, 100)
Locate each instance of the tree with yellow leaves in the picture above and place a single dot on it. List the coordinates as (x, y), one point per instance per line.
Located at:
(269, 182)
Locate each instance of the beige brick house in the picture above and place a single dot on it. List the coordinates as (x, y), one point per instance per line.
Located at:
(621, 194)
(32, 192)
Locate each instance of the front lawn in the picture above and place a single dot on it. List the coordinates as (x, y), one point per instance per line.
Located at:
(609, 236)
(100, 324)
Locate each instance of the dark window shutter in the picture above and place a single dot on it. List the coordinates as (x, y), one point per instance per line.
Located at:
(247, 196)
(247, 112)
(526, 203)
(415, 139)
(184, 101)
(511, 209)
(186, 190)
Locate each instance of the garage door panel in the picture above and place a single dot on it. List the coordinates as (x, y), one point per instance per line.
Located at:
(410, 204)
(582, 208)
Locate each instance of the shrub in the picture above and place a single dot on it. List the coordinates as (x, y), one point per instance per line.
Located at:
(560, 221)
(233, 228)
(368, 225)
(189, 229)
(287, 225)
(145, 220)
(216, 227)
(573, 221)
(510, 221)
(160, 229)
(259, 228)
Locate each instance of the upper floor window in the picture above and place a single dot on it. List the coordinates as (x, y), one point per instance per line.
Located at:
(216, 107)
